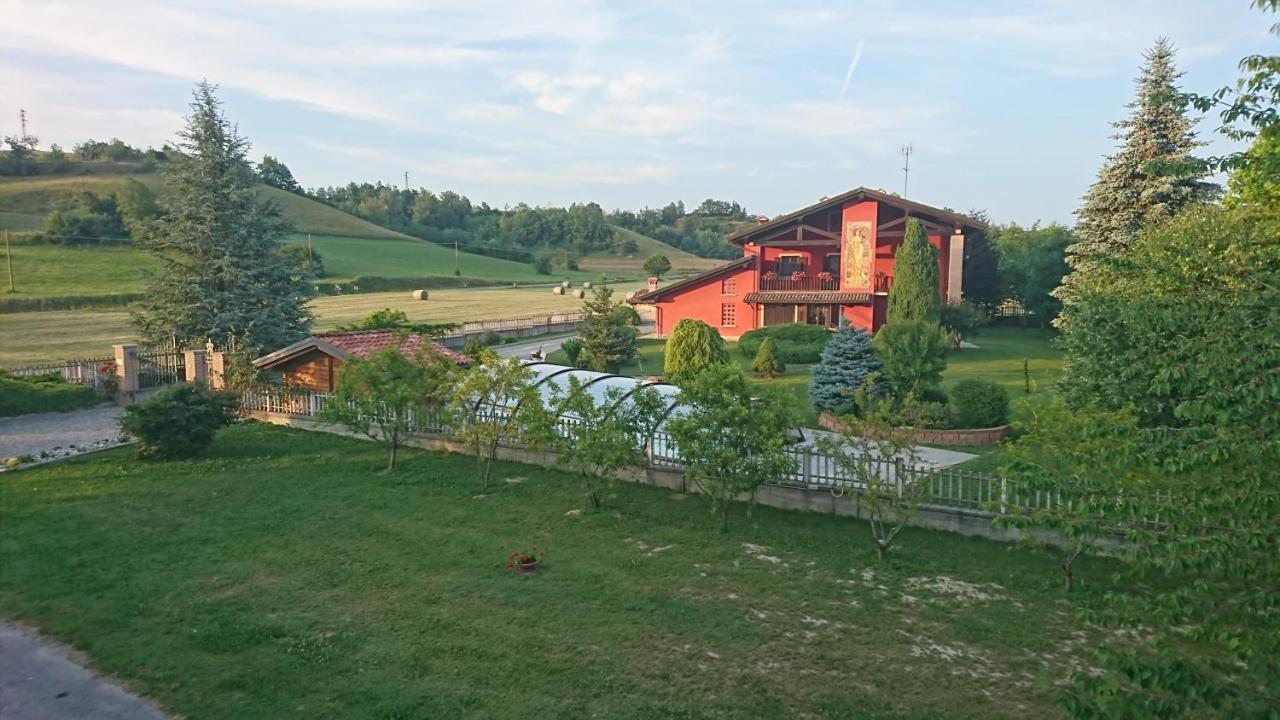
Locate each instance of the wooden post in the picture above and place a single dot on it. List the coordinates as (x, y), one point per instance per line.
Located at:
(1026, 377)
(8, 256)
(126, 371)
(193, 361)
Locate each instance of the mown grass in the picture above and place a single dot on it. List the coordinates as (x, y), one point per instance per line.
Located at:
(285, 576)
(44, 271)
(680, 260)
(346, 257)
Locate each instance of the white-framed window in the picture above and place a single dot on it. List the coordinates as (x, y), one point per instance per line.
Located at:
(729, 286)
(728, 315)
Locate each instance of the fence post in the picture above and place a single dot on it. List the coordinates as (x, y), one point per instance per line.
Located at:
(126, 372)
(217, 373)
(193, 362)
(313, 403)
(1004, 496)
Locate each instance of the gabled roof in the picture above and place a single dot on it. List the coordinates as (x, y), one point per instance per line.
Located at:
(862, 193)
(361, 344)
(654, 295)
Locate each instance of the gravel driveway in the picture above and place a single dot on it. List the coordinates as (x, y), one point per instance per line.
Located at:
(31, 434)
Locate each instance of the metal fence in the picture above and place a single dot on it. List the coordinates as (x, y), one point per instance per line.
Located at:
(160, 367)
(94, 372)
(938, 488)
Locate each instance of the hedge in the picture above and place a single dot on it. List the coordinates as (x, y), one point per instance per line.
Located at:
(796, 343)
(43, 393)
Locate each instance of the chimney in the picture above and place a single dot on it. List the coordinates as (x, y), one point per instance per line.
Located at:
(761, 220)
(653, 283)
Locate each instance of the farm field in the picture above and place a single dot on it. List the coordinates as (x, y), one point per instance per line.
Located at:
(347, 257)
(49, 336)
(285, 575)
(681, 261)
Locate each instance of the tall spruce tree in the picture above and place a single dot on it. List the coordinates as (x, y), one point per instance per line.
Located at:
(914, 295)
(846, 361)
(608, 338)
(221, 274)
(1151, 177)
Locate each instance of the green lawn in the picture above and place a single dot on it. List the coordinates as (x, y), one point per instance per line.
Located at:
(681, 261)
(44, 271)
(347, 257)
(285, 576)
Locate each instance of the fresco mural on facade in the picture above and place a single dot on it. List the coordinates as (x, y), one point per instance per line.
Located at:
(858, 255)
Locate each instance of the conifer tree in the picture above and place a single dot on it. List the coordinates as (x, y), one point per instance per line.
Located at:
(846, 361)
(1151, 177)
(221, 274)
(692, 346)
(766, 362)
(608, 339)
(914, 295)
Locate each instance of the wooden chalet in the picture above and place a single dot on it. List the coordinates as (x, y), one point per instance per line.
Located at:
(313, 363)
(834, 258)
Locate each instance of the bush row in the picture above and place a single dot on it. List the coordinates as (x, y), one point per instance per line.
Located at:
(794, 343)
(42, 393)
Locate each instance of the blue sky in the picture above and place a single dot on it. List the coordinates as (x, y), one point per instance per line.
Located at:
(1007, 104)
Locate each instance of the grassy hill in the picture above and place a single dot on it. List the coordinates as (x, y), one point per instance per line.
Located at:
(680, 260)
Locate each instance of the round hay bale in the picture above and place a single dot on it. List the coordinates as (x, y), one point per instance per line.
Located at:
(565, 284)
(420, 295)
(579, 294)
(557, 290)
(586, 286)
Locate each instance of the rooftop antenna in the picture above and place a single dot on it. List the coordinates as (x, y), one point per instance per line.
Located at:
(406, 179)
(906, 166)
(22, 118)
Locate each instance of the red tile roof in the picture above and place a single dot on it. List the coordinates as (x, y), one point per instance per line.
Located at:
(364, 343)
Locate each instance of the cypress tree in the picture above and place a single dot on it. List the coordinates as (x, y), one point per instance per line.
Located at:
(1151, 177)
(846, 361)
(766, 362)
(914, 295)
(221, 274)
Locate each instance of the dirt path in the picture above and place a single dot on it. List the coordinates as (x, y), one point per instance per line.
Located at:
(32, 434)
(39, 680)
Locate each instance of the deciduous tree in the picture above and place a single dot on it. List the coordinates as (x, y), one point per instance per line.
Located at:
(494, 402)
(657, 265)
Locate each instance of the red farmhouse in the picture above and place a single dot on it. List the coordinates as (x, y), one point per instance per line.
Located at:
(811, 266)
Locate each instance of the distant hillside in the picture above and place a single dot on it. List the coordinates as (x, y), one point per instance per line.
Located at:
(680, 260)
(25, 201)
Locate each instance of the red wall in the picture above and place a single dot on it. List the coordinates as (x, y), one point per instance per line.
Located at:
(703, 301)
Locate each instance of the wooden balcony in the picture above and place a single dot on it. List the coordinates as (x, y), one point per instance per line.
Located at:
(808, 282)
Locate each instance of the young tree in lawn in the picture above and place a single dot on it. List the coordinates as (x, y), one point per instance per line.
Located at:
(221, 273)
(881, 463)
(912, 355)
(656, 265)
(914, 294)
(277, 175)
(387, 395)
(1033, 262)
(1136, 185)
(766, 362)
(961, 320)
(733, 438)
(494, 401)
(846, 361)
(692, 346)
(608, 338)
(597, 437)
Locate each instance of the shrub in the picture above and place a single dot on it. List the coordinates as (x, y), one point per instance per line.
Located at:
(912, 355)
(844, 364)
(572, 349)
(766, 362)
(980, 404)
(179, 421)
(43, 393)
(693, 345)
(797, 343)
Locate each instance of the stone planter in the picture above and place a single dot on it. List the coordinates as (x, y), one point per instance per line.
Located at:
(930, 436)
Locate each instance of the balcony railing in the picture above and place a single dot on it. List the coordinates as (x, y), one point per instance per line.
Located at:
(789, 279)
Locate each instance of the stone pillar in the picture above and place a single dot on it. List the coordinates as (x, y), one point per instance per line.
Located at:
(217, 376)
(194, 363)
(955, 268)
(126, 372)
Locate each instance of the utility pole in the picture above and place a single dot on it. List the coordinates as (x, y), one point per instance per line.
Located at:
(456, 271)
(8, 256)
(906, 166)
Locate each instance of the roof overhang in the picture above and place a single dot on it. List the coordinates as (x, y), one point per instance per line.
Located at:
(652, 296)
(302, 347)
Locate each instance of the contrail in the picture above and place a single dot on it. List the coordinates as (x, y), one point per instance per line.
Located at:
(853, 65)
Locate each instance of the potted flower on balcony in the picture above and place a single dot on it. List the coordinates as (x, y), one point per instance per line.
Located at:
(522, 562)
(770, 275)
(797, 275)
(825, 276)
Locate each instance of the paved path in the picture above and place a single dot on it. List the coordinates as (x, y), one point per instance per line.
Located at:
(40, 681)
(926, 456)
(30, 434)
